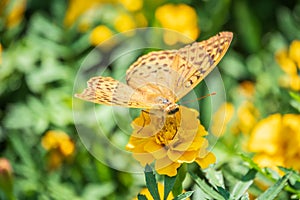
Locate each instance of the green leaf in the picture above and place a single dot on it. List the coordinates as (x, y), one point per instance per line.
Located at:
(252, 164)
(181, 173)
(295, 96)
(215, 177)
(206, 188)
(241, 187)
(151, 182)
(168, 185)
(184, 195)
(141, 197)
(274, 190)
(98, 191)
(225, 193)
(250, 175)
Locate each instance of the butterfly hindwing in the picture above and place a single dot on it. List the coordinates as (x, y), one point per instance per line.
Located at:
(108, 91)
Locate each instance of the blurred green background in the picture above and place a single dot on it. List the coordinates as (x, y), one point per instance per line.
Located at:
(43, 44)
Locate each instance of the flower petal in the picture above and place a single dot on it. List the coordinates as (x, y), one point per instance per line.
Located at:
(166, 167)
(206, 161)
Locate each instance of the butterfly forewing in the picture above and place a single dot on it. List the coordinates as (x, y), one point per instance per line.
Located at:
(203, 57)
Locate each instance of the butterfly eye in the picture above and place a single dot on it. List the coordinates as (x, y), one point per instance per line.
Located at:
(163, 100)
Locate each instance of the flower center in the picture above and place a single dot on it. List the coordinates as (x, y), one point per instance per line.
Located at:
(168, 131)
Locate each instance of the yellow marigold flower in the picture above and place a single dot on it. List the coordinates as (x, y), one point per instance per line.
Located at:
(222, 118)
(181, 18)
(100, 34)
(59, 145)
(276, 140)
(132, 5)
(124, 22)
(289, 61)
(181, 139)
(160, 186)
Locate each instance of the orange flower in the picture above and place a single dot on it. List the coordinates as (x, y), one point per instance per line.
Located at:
(59, 145)
(289, 61)
(181, 18)
(276, 140)
(179, 139)
(6, 177)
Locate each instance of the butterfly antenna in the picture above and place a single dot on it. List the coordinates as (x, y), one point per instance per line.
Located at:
(208, 95)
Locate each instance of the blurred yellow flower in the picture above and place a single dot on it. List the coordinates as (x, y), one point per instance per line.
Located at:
(100, 34)
(246, 89)
(124, 22)
(160, 186)
(178, 17)
(247, 117)
(276, 140)
(132, 5)
(294, 52)
(241, 121)
(289, 61)
(59, 145)
(222, 118)
(77, 8)
(12, 12)
(180, 139)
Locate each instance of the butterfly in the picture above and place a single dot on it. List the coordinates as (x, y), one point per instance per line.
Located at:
(159, 79)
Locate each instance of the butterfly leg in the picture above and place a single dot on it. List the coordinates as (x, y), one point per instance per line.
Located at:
(144, 120)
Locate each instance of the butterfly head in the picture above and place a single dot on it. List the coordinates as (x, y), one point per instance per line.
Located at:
(169, 106)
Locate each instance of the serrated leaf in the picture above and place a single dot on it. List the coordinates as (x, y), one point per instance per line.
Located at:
(250, 175)
(252, 164)
(184, 195)
(294, 180)
(274, 190)
(151, 182)
(240, 189)
(215, 177)
(141, 197)
(168, 185)
(206, 188)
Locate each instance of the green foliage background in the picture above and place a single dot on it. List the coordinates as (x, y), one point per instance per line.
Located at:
(40, 60)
